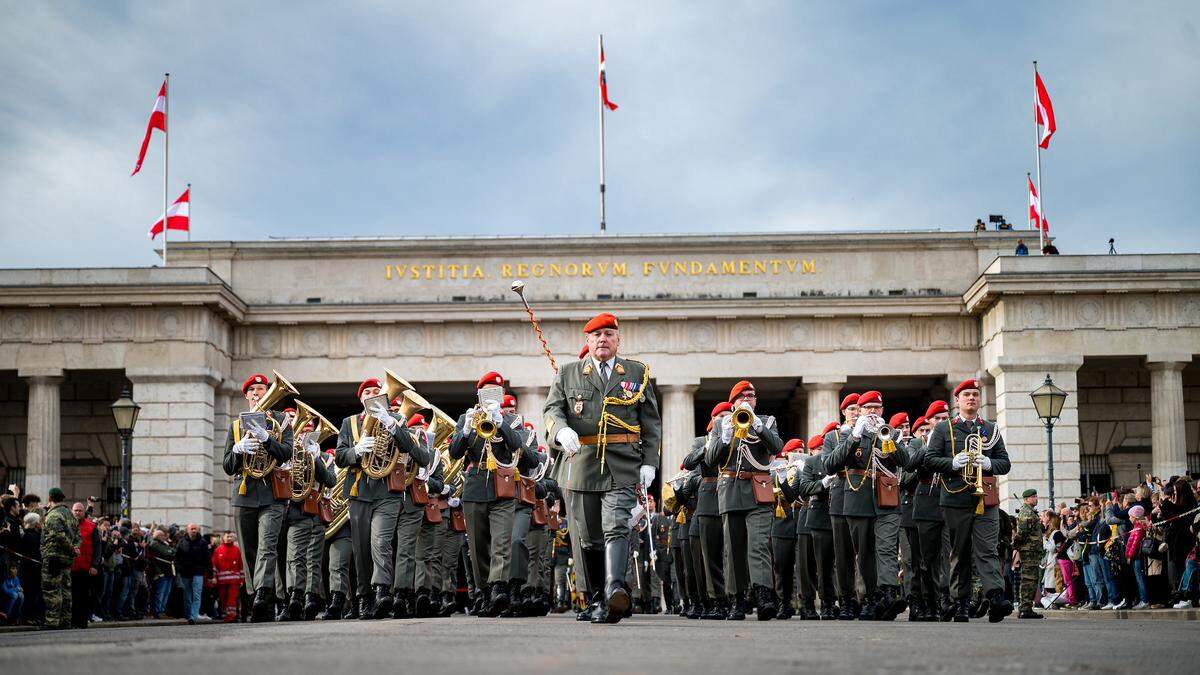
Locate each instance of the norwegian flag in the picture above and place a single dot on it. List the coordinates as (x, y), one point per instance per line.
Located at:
(177, 216)
(604, 81)
(158, 120)
(1044, 112)
(1035, 208)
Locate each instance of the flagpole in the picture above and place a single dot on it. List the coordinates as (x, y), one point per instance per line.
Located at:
(189, 230)
(166, 144)
(600, 95)
(1037, 151)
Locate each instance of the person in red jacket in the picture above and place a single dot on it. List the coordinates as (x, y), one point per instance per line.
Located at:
(84, 568)
(227, 566)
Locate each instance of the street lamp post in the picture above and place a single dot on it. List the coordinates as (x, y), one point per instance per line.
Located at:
(1048, 401)
(125, 412)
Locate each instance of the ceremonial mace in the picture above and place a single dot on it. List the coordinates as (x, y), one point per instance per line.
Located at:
(518, 287)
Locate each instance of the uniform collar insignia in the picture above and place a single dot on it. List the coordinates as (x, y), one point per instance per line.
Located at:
(587, 368)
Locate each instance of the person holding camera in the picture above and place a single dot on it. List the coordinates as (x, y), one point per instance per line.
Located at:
(60, 545)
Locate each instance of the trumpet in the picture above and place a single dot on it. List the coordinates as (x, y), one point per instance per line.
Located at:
(972, 472)
(482, 422)
(743, 418)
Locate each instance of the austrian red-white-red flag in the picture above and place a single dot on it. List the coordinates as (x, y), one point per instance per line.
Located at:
(604, 83)
(158, 120)
(1044, 111)
(1035, 208)
(177, 216)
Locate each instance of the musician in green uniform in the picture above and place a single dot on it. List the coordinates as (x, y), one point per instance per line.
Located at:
(602, 416)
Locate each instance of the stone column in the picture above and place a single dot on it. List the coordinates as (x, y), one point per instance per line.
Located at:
(823, 402)
(530, 401)
(678, 410)
(43, 453)
(1168, 439)
(173, 444)
(1024, 433)
(223, 395)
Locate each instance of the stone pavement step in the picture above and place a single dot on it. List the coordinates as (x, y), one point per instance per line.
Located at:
(1135, 615)
(144, 623)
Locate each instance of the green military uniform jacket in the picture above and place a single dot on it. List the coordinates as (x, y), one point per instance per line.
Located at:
(734, 495)
(60, 535)
(939, 455)
(510, 441)
(371, 489)
(1028, 536)
(258, 490)
(706, 497)
(858, 498)
(837, 489)
(926, 490)
(807, 484)
(576, 399)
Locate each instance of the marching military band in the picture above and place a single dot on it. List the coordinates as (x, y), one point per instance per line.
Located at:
(867, 519)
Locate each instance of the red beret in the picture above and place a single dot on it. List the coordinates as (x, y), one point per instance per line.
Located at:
(741, 386)
(793, 445)
(289, 410)
(816, 442)
(921, 421)
(417, 420)
(509, 401)
(257, 378)
(898, 420)
(583, 352)
(870, 397)
(722, 407)
(828, 428)
(491, 377)
(851, 399)
(369, 382)
(935, 408)
(603, 320)
(970, 383)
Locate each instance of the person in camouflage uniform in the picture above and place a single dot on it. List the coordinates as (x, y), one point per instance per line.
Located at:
(1027, 542)
(60, 545)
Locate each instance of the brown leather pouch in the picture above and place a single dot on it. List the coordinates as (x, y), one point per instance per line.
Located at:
(281, 484)
(396, 480)
(553, 521)
(526, 492)
(991, 492)
(887, 491)
(309, 506)
(538, 515)
(504, 482)
(419, 492)
(326, 511)
(458, 521)
(763, 494)
(432, 513)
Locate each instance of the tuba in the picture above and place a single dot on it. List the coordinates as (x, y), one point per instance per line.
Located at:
(303, 465)
(261, 463)
(380, 462)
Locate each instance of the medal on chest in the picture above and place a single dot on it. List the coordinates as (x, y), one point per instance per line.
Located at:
(578, 406)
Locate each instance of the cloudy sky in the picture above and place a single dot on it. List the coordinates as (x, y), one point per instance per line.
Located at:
(388, 118)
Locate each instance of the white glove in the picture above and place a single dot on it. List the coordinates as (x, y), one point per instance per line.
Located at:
(828, 480)
(260, 434)
(445, 490)
(247, 446)
(497, 416)
(647, 474)
(365, 444)
(312, 447)
(421, 473)
(569, 440)
(757, 424)
(859, 427)
(455, 502)
(985, 462)
(959, 461)
(385, 418)
(636, 514)
(727, 430)
(429, 438)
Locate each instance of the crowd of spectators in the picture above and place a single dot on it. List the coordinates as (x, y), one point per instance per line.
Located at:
(122, 570)
(1126, 549)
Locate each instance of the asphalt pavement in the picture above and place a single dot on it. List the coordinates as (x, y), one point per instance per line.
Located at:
(654, 644)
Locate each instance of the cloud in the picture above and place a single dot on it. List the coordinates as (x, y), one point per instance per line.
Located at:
(380, 118)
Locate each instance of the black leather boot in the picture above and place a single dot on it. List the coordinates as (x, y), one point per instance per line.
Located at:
(263, 609)
(500, 599)
(295, 606)
(383, 601)
(916, 609)
(850, 609)
(312, 606)
(737, 607)
(785, 610)
(422, 607)
(999, 606)
(516, 606)
(765, 608)
(402, 604)
(828, 613)
(809, 612)
(366, 607)
(337, 606)
(962, 611)
(594, 606)
(899, 603)
(949, 607)
(351, 608)
(447, 606)
(1028, 613)
(617, 602)
(870, 609)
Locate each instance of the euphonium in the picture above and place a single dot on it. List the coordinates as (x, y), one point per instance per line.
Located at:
(261, 463)
(380, 462)
(304, 465)
(338, 504)
(743, 418)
